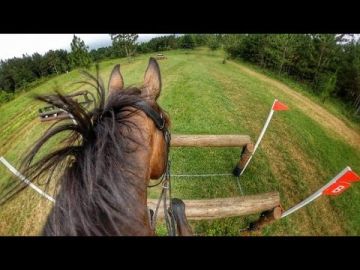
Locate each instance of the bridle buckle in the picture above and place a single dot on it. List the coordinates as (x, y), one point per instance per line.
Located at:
(163, 121)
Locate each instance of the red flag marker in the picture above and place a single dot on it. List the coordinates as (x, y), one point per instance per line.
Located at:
(335, 186)
(342, 184)
(336, 189)
(278, 106)
(349, 177)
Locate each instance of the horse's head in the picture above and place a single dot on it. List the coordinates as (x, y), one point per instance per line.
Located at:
(150, 117)
(107, 156)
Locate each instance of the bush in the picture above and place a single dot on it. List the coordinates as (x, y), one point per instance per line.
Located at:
(5, 97)
(327, 84)
(187, 42)
(213, 42)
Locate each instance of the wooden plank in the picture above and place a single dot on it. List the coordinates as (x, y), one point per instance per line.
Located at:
(225, 207)
(209, 140)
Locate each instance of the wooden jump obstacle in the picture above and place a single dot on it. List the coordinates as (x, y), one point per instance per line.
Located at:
(242, 141)
(209, 140)
(268, 204)
(160, 56)
(225, 207)
(49, 113)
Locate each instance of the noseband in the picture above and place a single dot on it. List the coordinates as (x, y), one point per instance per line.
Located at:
(159, 122)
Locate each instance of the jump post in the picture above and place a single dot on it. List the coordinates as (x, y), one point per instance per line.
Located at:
(267, 203)
(267, 217)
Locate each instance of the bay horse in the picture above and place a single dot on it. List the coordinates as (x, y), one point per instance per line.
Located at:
(106, 160)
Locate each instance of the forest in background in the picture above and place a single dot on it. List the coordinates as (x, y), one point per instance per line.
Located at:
(329, 64)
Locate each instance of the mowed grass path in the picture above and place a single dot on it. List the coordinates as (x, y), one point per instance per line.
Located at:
(298, 154)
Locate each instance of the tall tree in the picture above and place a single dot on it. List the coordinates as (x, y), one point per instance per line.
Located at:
(348, 83)
(79, 56)
(37, 65)
(233, 44)
(324, 55)
(328, 85)
(187, 42)
(201, 39)
(124, 43)
(282, 51)
(213, 41)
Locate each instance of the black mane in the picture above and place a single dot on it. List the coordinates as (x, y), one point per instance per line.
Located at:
(94, 178)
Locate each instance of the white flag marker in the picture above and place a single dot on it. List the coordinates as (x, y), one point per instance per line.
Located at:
(26, 181)
(336, 186)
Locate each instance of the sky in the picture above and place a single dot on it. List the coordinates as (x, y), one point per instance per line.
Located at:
(15, 45)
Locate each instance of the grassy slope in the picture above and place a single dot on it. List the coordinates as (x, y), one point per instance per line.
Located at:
(333, 105)
(204, 96)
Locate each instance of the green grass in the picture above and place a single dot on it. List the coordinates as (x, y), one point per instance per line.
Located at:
(335, 106)
(203, 96)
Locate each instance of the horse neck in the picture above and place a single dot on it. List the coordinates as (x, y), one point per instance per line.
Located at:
(140, 179)
(141, 157)
(76, 205)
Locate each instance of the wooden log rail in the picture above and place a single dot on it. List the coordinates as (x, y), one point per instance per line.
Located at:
(225, 207)
(209, 140)
(242, 141)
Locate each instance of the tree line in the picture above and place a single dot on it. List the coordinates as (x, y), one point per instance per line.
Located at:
(18, 73)
(328, 63)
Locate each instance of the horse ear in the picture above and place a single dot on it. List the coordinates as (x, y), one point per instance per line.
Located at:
(116, 81)
(152, 79)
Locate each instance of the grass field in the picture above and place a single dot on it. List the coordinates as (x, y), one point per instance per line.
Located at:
(302, 149)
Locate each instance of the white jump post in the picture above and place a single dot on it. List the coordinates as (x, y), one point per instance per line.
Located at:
(336, 186)
(26, 181)
(276, 106)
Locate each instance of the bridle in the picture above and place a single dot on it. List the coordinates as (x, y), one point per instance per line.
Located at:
(159, 121)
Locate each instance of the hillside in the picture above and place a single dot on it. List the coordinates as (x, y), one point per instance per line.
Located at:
(302, 149)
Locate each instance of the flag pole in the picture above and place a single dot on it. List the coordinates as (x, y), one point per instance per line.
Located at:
(315, 195)
(261, 135)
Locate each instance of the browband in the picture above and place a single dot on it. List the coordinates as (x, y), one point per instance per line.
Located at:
(150, 112)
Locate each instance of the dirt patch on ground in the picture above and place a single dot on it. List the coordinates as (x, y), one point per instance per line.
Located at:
(313, 110)
(25, 216)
